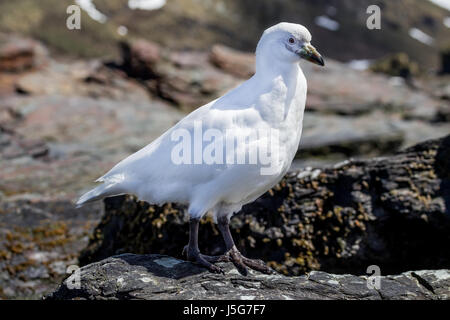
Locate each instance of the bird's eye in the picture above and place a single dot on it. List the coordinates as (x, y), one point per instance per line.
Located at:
(291, 40)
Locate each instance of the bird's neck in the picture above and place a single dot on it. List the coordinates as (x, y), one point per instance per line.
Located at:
(282, 87)
(267, 71)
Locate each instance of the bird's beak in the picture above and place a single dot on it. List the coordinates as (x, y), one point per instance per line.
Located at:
(308, 52)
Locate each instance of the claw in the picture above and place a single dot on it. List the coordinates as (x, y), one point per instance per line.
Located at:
(258, 265)
(184, 253)
(202, 260)
(236, 258)
(241, 263)
(216, 269)
(233, 255)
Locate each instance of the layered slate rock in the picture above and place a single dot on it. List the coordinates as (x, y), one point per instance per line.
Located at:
(129, 276)
(19, 54)
(393, 212)
(241, 64)
(185, 79)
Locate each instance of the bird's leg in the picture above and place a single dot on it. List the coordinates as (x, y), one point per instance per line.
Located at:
(232, 253)
(193, 253)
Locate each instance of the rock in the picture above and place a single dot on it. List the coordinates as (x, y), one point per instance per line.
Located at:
(190, 79)
(148, 277)
(333, 135)
(445, 60)
(363, 92)
(185, 78)
(438, 87)
(396, 65)
(443, 114)
(38, 240)
(79, 78)
(14, 146)
(392, 212)
(190, 86)
(73, 116)
(328, 136)
(235, 62)
(140, 57)
(19, 54)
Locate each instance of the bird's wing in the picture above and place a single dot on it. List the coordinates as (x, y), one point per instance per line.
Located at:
(152, 174)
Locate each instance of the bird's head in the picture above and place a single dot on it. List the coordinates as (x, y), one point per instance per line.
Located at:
(288, 42)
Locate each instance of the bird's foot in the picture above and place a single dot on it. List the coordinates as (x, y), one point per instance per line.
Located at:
(241, 263)
(202, 259)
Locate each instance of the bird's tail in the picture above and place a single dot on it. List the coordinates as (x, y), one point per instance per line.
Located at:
(104, 190)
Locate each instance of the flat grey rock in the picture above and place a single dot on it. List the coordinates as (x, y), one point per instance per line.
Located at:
(130, 276)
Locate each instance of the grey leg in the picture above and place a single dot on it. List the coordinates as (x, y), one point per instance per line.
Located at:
(232, 253)
(193, 253)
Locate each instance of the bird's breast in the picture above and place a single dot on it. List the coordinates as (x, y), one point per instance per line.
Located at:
(283, 104)
(291, 98)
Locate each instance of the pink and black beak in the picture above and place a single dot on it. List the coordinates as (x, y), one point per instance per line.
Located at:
(308, 52)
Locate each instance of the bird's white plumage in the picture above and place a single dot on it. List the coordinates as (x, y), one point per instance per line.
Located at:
(274, 98)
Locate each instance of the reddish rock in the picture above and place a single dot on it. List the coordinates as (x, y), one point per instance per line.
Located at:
(185, 78)
(20, 54)
(139, 58)
(238, 63)
(445, 60)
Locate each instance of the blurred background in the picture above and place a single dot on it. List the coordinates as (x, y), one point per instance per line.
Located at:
(75, 102)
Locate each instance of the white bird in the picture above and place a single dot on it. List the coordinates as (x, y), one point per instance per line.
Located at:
(194, 162)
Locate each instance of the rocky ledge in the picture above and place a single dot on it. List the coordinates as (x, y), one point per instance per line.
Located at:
(131, 276)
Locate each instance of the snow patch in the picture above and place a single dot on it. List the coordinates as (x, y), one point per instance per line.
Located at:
(396, 81)
(359, 64)
(146, 4)
(122, 30)
(442, 3)
(421, 36)
(91, 10)
(446, 22)
(327, 23)
(315, 174)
